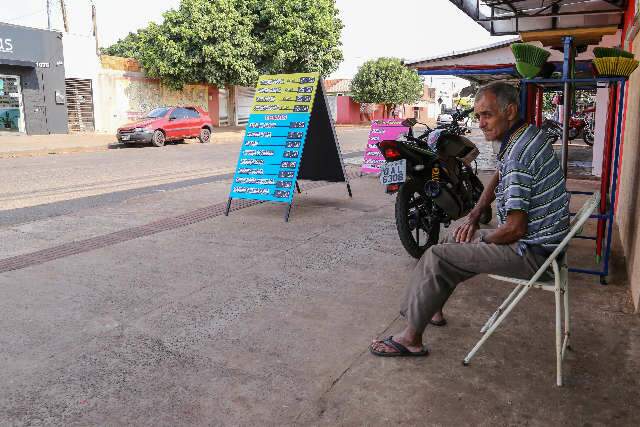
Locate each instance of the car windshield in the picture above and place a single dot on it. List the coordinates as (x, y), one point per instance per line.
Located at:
(156, 113)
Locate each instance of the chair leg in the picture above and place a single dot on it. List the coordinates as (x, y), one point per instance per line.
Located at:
(557, 291)
(497, 323)
(500, 309)
(567, 332)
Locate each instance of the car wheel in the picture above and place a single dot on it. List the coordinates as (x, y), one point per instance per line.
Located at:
(158, 138)
(205, 135)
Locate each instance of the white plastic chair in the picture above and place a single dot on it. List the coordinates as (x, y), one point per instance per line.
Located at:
(557, 261)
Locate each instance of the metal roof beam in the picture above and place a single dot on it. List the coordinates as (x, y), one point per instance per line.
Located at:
(551, 15)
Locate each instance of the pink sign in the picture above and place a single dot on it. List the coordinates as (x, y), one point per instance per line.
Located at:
(380, 130)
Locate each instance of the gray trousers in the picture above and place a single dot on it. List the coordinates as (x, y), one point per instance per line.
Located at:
(445, 265)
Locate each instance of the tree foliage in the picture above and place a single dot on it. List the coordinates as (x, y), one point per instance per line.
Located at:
(128, 47)
(386, 81)
(231, 42)
(298, 36)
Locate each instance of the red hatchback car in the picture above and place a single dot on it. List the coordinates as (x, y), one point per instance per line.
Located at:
(168, 124)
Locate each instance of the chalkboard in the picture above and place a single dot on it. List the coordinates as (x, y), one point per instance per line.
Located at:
(290, 135)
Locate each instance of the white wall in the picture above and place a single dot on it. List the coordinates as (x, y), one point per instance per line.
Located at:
(80, 58)
(602, 107)
(82, 62)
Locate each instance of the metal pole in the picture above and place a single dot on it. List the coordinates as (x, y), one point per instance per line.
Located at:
(63, 9)
(226, 211)
(566, 116)
(49, 14)
(287, 213)
(95, 27)
(566, 74)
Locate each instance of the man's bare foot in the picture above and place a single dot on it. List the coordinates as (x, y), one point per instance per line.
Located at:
(414, 345)
(438, 319)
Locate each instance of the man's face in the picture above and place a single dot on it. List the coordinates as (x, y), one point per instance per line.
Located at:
(494, 122)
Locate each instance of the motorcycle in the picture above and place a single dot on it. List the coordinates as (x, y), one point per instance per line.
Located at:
(581, 124)
(434, 181)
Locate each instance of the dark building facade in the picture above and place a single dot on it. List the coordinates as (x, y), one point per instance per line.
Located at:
(32, 85)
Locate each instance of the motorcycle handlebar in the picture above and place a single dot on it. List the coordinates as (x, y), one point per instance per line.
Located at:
(462, 114)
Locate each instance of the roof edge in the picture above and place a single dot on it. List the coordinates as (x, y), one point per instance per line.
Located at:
(454, 54)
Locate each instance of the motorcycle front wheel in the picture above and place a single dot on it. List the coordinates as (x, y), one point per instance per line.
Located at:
(417, 228)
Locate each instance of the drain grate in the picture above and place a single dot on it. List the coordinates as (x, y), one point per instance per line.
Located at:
(78, 247)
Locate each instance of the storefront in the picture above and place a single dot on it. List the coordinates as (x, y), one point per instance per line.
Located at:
(32, 85)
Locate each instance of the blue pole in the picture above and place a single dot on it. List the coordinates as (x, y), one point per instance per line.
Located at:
(566, 63)
(523, 101)
(566, 94)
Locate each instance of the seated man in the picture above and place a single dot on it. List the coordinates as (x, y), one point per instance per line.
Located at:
(532, 206)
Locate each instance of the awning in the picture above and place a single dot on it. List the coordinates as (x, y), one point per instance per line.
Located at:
(504, 17)
(480, 65)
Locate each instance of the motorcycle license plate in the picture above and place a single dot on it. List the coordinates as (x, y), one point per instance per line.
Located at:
(394, 172)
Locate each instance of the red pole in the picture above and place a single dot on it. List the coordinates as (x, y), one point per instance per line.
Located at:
(531, 103)
(606, 167)
(539, 105)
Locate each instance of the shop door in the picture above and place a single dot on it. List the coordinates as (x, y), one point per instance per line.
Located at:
(11, 111)
(80, 105)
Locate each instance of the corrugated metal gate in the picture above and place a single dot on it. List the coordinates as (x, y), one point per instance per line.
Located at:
(223, 99)
(80, 105)
(244, 100)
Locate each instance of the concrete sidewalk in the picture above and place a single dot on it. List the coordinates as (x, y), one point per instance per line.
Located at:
(161, 311)
(37, 145)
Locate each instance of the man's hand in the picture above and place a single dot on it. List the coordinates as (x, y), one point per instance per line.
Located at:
(465, 232)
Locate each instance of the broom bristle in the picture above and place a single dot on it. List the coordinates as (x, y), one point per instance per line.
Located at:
(609, 52)
(530, 54)
(626, 54)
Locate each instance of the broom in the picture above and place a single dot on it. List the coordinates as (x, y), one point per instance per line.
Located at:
(529, 59)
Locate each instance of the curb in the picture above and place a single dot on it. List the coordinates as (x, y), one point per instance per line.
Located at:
(227, 139)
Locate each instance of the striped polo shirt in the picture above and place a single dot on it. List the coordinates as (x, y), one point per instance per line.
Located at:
(532, 181)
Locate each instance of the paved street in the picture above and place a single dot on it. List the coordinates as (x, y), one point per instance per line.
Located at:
(45, 179)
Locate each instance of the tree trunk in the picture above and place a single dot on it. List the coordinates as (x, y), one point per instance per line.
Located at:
(387, 110)
(231, 105)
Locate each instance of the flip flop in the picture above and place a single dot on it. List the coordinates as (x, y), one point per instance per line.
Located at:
(402, 351)
(442, 322)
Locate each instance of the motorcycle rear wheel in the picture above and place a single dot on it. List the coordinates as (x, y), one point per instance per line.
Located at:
(412, 206)
(587, 137)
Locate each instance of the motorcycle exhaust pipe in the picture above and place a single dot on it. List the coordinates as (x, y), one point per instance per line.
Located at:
(443, 196)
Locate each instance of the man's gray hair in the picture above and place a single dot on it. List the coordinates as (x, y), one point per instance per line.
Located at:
(505, 93)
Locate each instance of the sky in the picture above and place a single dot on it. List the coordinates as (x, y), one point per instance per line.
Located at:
(408, 29)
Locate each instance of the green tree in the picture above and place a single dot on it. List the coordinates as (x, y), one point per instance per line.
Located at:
(202, 41)
(231, 42)
(386, 81)
(128, 47)
(298, 36)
